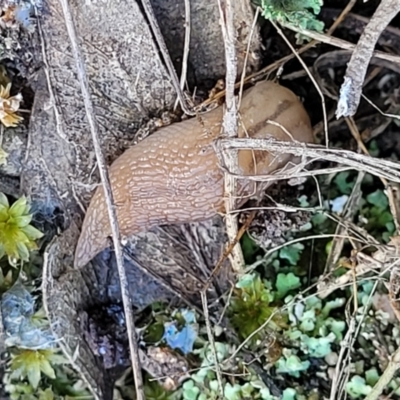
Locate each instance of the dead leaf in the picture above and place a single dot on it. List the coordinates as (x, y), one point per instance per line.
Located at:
(9, 105)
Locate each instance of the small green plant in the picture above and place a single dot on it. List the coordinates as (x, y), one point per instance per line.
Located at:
(377, 215)
(154, 391)
(300, 13)
(30, 364)
(291, 364)
(252, 303)
(17, 236)
(357, 387)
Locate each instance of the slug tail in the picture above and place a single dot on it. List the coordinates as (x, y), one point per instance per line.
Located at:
(87, 249)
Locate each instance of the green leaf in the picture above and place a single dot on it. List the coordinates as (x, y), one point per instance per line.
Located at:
(47, 369)
(31, 232)
(247, 389)
(308, 321)
(317, 347)
(266, 394)
(252, 304)
(357, 387)
(292, 253)
(285, 283)
(23, 251)
(297, 12)
(336, 327)
(331, 305)
(214, 385)
(31, 363)
(19, 207)
(289, 394)
(190, 391)
(303, 201)
(373, 148)
(319, 218)
(33, 374)
(291, 364)
(232, 392)
(4, 201)
(341, 181)
(46, 394)
(23, 220)
(371, 376)
(378, 199)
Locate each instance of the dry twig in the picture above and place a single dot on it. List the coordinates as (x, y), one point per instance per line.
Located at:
(308, 153)
(350, 92)
(230, 126)
(340, 43)
(84, 83)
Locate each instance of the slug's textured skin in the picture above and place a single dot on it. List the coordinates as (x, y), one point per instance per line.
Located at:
(173, 176)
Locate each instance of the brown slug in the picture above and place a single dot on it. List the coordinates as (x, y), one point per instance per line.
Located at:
(173, 176)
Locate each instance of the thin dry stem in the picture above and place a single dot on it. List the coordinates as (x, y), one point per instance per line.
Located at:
(185, 48)
(164, 51)
(340, 43)
(394, 116)
(210, 336)
(243, 77)
(309, 153)
(325, 118)
(90, 113)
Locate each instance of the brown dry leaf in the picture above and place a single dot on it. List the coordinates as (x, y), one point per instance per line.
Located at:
(8, 17)
(9, 105)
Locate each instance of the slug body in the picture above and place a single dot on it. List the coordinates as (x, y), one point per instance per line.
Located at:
(173, 176)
